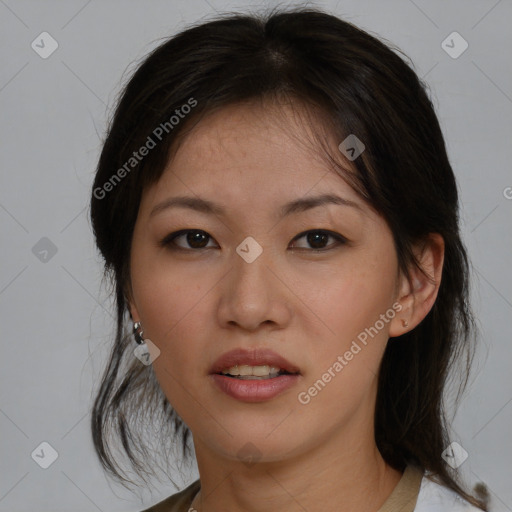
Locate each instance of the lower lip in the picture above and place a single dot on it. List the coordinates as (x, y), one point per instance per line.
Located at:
(252, 390)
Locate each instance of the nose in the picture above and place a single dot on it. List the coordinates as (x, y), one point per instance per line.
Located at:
(254, 294)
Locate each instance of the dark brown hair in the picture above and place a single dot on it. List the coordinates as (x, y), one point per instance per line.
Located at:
(357, 85)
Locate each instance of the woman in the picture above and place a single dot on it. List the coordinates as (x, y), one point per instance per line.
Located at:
(275, 205)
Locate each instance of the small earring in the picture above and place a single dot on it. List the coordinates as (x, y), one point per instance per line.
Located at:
(138, 333)
(142, 350)
(405, 323)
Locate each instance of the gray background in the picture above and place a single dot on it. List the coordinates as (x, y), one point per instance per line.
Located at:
(56, 318)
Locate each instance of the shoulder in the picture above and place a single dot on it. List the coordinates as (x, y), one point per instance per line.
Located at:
(434, 497)
(179, 502)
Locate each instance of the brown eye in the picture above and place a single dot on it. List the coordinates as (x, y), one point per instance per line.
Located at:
(198, 239)
(194, 239)
(318, 239)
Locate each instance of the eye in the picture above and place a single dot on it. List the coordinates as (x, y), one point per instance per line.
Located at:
(195, 238)
(319, 237)
(198, 239)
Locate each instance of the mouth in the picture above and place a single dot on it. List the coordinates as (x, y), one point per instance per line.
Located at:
(261, 372)
(253, 364)
(254, 375)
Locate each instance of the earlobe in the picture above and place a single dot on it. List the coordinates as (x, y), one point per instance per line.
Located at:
(134, 314)
(418, 291)
(130, 305)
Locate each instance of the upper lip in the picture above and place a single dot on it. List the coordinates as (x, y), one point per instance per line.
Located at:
(254, 357)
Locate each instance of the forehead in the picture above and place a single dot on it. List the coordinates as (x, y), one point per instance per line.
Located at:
(256, 130)
(248, 155)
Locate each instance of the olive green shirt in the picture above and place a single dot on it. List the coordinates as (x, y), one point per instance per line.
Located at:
(402, 499)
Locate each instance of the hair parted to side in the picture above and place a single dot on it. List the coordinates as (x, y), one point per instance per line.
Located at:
(354, 84)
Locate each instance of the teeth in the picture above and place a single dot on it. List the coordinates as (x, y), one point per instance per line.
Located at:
(256, 371)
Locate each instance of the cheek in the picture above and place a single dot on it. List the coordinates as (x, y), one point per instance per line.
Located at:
(172, 319)
(355, 306)
(173, 304)
(352, 297)
(173, 308)
(167, 292)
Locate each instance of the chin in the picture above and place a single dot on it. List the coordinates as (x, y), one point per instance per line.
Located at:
(256, 444)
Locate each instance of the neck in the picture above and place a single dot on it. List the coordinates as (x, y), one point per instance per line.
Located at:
(342, 474)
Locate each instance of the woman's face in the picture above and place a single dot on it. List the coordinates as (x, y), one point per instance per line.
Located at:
(317, 285)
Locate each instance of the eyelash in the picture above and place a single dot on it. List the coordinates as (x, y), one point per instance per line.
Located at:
(168, 241)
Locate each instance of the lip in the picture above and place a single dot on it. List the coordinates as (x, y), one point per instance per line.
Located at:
(255, 357)
(253, 390)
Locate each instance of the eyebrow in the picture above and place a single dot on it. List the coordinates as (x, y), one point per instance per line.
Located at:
(209, 207)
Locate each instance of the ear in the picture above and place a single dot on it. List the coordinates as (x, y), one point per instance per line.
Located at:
(418, 290)
(130, 302)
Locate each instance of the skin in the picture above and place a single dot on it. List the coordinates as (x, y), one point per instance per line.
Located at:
(197, 303)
